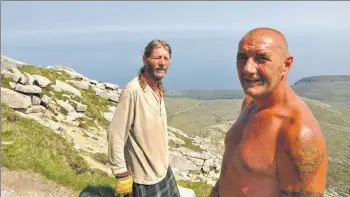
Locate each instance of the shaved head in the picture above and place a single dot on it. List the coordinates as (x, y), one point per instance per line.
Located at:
(263, 61)
(270, 36)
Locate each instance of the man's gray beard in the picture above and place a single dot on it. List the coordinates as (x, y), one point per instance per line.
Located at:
(151, 72)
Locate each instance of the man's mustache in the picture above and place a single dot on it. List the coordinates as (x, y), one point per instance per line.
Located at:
(160, 67)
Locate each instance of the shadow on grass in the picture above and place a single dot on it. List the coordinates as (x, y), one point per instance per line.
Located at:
(98, 191)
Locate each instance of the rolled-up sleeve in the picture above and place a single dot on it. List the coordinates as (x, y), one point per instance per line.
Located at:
(118, 131)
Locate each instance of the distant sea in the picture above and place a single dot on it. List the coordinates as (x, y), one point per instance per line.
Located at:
(198, 61)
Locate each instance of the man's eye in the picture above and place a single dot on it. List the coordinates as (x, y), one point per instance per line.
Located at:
(241, 57)
(262, 58)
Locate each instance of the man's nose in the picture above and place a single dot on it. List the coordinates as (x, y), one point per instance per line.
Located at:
(161, 60)
(249, 67)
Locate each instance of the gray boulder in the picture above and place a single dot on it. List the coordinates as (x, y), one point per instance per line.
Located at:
(35, 109)
(14, 99)
(66, 106)
(30, 89)
(15, 77)
(36, 100)
(81, 84)
(111, 86)
(42, 81)
(81, 107)
(60, 85)
(30, 78)
(45, 100)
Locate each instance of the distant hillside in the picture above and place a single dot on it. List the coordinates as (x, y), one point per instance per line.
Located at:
(205, 94)
(330, 89)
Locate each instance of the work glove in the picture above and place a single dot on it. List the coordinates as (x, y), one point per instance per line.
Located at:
(123, 185)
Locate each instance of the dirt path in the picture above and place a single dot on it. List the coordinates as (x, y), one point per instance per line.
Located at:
(27, 184)
(185, 110)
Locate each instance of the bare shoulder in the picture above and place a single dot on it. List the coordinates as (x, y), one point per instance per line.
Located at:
(246, 101)
(302, 158)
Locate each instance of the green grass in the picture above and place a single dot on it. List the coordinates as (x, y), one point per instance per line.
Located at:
(51, 74)
(63, 111)
(85, 123)
(38, 149)
(5, 82)
(96, 104)
(172, 144)
(100, 157)
(73, 104)
(189, 143)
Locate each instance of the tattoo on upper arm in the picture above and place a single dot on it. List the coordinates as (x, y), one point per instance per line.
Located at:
(302, 194)
(307, 160)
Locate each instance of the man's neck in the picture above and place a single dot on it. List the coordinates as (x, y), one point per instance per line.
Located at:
(152, 83)
(278, 96)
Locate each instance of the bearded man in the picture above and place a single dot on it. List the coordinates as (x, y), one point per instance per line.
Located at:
(138, 136)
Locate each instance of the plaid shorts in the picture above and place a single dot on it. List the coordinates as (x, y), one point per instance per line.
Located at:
(165, 188)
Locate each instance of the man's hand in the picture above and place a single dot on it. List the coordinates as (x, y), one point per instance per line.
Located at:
(123, 185)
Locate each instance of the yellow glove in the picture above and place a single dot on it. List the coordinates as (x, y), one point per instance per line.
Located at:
(123, 185)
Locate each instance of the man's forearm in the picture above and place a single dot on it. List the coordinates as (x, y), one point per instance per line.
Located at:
(116, 154)
(118, 132)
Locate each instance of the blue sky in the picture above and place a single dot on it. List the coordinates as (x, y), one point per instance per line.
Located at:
(96, 37)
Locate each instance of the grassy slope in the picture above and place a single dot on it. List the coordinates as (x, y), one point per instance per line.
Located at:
(39, 149)
(88, 96)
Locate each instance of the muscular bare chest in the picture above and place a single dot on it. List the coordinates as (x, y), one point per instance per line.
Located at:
(251, 144)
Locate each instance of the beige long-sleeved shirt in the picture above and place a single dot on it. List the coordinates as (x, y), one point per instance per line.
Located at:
(137, 135)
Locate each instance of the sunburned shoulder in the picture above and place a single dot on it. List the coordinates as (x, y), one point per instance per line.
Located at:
(301, 155)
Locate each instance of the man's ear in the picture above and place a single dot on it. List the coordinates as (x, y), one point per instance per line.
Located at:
(288, 63)
(144, 59)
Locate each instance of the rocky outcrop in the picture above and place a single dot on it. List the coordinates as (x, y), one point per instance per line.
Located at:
(14, 99)
(7, 63)
(57, 104)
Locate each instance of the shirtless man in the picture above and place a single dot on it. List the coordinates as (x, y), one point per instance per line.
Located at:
(276, 147)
